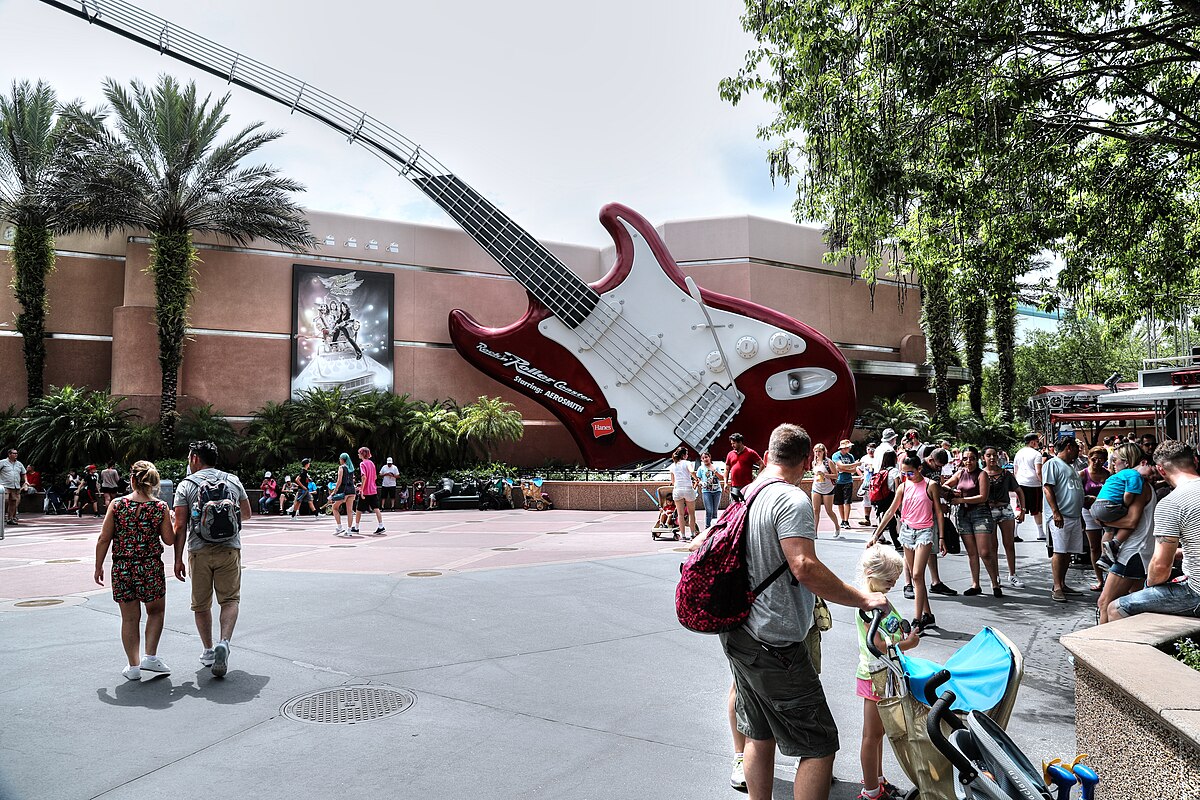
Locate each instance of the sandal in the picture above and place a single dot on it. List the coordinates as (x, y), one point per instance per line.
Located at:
(1097, 587)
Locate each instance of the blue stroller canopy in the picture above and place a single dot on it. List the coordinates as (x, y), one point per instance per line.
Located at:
(979, 673)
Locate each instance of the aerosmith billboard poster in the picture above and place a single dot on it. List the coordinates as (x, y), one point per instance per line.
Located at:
(341, 330)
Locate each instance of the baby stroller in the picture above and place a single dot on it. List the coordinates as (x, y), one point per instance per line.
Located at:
(667, 524)
(535, 499)
(982, 678)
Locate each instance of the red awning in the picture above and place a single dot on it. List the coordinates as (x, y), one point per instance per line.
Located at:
(1102, 416)
(1084, 387)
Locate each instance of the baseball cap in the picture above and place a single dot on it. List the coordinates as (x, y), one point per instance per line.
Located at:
(267, 474)
(389, 460)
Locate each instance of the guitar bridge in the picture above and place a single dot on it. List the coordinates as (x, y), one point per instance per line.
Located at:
(710, 415)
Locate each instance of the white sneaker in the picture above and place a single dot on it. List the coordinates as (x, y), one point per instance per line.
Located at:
(345, 534)
(132, 673)
(738, 779)
(208, 657)
(154, 664)
(1016, 582)
(220, 663)
(339, 532)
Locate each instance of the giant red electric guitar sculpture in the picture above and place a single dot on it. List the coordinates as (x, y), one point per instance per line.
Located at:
(632, 365)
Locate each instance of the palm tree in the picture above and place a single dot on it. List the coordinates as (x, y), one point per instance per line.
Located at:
(899, 415)
(271, 438)
(328, 419)
(206, 424)
(34, 143)
(163, 170)
(488, 422)
(434, 438)
(74, 425)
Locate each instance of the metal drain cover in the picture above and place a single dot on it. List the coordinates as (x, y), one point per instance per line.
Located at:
(49, 601)
(424, 573)
(556, 533)
(348, 705)
(64, 561)
(505, 548)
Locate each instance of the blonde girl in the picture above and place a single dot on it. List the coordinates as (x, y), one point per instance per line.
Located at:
(879, 568)
(137, 526)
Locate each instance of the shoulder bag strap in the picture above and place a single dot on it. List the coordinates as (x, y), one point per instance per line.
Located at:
(782, 568)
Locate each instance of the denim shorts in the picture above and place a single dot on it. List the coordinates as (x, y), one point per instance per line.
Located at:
(1106, 511)
(912, 538)
(975, 520)
(1002, 514)
(1178, 599)
(1133, 568)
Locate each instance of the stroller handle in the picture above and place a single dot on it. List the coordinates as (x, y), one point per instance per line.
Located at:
(933, 726)
(876, 619)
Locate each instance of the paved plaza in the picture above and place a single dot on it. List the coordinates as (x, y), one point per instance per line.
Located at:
(536, 654)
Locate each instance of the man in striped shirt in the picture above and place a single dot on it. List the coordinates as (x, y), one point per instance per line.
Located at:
(1176, 527)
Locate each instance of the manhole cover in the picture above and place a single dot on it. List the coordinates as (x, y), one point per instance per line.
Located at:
(50, 601)
(424, 573)
(347, 705)
(505, 548)
(556, 533)
(418, 531)
(64, 561)
(343, 545)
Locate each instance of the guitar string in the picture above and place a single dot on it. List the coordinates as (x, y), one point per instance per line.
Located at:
(484, 224)
(633, 337)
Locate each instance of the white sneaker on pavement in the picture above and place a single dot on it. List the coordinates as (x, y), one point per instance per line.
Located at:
(132, 673)
(207, 657)
(738, 779)
(154, 664)
(220, 659)
(1016, 582)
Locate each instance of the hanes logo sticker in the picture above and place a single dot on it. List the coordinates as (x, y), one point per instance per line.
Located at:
(603, 427)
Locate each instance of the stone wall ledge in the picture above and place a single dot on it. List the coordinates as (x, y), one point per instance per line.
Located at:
(627, 495)
(1137, 707)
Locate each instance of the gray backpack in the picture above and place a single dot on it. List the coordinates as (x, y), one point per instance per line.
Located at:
(216, 512)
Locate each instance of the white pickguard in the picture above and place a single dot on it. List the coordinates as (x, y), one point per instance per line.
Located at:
(651, 307)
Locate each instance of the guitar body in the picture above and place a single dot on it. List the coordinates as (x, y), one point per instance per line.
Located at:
(783, 370)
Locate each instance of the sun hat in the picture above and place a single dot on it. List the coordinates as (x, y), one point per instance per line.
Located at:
(889, 435)
(843, 443)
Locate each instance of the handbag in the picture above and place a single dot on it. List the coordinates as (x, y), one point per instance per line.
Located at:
(821, 616)
(950, 537)
(338, 496)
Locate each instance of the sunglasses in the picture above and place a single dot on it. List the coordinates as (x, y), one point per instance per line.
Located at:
(908, 472)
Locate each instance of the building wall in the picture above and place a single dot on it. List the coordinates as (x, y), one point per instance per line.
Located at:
(238, 355)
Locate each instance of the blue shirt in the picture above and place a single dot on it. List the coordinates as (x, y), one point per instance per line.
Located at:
(1114, 489)
(1067, 485)
(844, 477)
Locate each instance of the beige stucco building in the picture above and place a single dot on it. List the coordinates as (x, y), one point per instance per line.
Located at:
(239, 354)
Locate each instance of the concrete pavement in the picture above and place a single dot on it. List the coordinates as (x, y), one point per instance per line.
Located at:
(556, 669)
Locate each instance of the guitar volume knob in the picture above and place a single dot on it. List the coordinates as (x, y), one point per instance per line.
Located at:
(780, 342)
(713, 362)
(747, 347)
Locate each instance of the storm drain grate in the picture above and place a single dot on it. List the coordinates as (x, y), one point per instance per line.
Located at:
(349, 705)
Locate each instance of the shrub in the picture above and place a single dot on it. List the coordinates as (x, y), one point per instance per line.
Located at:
(1189, 653)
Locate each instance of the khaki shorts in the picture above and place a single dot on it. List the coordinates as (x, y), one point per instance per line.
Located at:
(215, 568)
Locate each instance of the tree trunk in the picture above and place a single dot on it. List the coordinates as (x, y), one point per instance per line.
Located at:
(1004, 324)
(974, 317)
(938, 328)
(33, 260)
(172, 263)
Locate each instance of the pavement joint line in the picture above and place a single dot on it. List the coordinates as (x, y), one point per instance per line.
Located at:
(175, 761)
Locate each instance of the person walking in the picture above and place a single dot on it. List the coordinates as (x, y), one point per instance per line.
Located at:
(843, 487)
(342, 496)
(822, 488)
(137, 526)
(304, 489)
(712, 484)
(1027, 468)
(12, 478)
(1001, 486)
(739, 466)
(90, 495)
(866, 469)
(110, 483)
(388, 475)
(1063, 491)
(780, 701)
(214, 566)
(933, 469)
(970, 488)
(368, 495)
(683, 492)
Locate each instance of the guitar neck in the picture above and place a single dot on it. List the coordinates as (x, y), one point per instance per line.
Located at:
(544, 276)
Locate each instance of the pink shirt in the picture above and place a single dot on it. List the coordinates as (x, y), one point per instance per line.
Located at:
(916, 510)
(367, 467)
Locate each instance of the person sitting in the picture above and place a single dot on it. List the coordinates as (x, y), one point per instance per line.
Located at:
(270, 494)
(1176, 527)
(666, 516)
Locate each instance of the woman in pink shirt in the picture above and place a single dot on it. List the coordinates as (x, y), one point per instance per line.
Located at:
(916, 500)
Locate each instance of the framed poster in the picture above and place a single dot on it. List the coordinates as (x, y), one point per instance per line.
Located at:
(341, 329)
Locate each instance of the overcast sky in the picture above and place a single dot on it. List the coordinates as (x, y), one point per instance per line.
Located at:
(550, 108)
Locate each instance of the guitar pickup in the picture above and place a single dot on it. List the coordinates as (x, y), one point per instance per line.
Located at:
(710, 415)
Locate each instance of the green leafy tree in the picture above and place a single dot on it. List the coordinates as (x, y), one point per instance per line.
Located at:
(490, 421)
(899, 415)
(164, 170)
(205, 424)
(271, 437)
(68, 426)
(34, 144)
(328, 420)
(434, 439)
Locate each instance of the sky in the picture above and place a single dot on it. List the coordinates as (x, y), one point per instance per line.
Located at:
(549, 108)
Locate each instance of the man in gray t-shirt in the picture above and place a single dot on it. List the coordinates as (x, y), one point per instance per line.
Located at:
(779, 699)
(215, 568)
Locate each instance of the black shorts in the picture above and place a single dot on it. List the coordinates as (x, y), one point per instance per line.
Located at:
(387, 492)
(368, 502)
(779, 696)
(843, 493)
(1033, 499)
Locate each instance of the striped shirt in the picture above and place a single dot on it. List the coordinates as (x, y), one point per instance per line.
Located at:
(1177, 518)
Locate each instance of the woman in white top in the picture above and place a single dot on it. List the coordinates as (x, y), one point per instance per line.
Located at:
(683, 491)
(822, 488)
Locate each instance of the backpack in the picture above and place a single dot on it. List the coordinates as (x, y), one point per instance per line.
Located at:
(714, 593)
(879, 487)
(216, 512)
